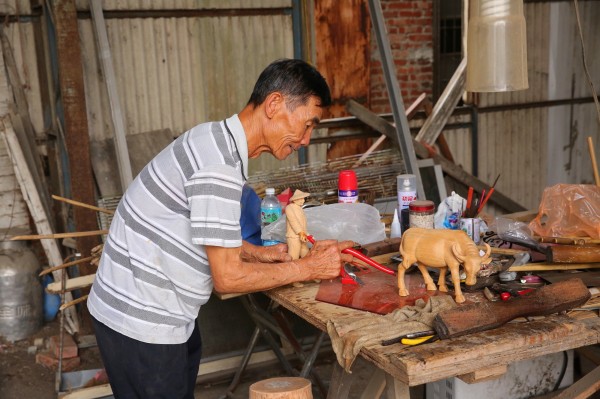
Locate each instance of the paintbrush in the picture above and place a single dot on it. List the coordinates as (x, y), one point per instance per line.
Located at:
(487, 197)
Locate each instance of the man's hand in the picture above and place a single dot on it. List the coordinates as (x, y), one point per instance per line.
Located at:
(270, 254)
(325, 259)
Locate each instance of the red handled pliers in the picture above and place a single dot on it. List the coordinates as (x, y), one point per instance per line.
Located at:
(347, 279)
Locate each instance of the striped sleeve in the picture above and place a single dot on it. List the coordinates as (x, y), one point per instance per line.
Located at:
(214, 194)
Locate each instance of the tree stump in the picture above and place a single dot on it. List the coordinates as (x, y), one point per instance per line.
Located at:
(281, 388)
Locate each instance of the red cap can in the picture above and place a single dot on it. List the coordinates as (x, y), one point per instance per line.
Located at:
(347, 180)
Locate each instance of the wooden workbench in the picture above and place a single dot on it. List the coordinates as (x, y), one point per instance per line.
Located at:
(473, 358)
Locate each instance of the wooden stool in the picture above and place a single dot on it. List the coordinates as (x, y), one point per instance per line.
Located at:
(281, 388)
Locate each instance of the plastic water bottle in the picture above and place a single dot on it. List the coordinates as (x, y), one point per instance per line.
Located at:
(270, 211)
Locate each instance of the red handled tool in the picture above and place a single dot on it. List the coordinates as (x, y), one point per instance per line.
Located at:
(347, 279)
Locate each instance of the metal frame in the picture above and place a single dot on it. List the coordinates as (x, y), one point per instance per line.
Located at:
(402, 129)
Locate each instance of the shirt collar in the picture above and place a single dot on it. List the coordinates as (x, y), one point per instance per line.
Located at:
(235, 125)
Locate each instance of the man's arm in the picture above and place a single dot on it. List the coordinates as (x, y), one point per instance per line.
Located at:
(232, 275)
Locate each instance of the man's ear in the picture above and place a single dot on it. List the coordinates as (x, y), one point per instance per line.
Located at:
(273, 103)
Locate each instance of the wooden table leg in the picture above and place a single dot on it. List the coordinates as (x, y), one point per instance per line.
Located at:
(375, 386)
(341, 382)
(339, 387)
(396, 389)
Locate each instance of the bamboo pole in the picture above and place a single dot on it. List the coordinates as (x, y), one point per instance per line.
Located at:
(65, 265)
(73, 302)
(81, 204)
(593, 157)
(60, 235)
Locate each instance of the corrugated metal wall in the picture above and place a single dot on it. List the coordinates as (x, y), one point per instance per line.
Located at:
(176, 72)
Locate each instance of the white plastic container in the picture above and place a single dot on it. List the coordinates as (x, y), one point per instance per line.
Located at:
(523, 379)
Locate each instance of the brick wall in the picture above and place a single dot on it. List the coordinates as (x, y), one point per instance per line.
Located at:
(409, 26)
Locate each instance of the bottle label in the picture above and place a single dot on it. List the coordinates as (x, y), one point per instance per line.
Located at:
(267, 243)
(269, 215)
(405, 198)
(347, 196)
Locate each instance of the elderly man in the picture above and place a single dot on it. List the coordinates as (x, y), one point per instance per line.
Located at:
(176, 236)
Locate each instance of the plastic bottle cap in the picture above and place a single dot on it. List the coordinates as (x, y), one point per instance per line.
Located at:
(347, 180)
(421, 205)
(406, 180)
(270, 191)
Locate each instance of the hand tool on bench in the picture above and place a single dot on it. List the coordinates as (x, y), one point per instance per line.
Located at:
(347, 279)
(559, 253)
(415, 338)
(476, 317)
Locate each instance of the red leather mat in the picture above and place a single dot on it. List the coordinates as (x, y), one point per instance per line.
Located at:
(379, 294)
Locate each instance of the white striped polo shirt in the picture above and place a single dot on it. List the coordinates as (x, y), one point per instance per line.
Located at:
(154, 275)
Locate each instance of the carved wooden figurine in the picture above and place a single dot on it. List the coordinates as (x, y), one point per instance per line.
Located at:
(444, 249)
(296, 225)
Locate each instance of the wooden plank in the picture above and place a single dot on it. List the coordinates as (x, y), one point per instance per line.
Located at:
(501, 346)
(338, 60)
(36, 208)
(113, 95)
(381, 125)
(443, 108)
(142, 147)
(484, 374)
(71, 284)
(450, 358)
(76, 134)
(99, 391)
(584, 387)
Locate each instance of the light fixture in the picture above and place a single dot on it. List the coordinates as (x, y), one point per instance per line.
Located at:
(496, 46)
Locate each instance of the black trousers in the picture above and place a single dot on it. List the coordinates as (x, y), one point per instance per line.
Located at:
(137, 370)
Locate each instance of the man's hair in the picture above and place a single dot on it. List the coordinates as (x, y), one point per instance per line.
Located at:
(295, 79)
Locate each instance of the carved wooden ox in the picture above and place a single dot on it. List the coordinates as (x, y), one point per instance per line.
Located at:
(444, 249)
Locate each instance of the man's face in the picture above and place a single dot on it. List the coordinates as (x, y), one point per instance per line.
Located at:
(291, 130)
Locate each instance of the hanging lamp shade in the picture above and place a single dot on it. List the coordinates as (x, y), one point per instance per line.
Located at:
(496, 46)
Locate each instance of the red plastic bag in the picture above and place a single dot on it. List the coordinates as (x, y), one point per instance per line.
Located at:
(569, 210)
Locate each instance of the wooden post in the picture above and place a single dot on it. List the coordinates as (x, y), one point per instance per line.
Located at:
(281, 388)
(76, 125)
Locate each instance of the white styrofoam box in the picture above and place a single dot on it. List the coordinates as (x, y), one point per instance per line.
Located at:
(523, 379)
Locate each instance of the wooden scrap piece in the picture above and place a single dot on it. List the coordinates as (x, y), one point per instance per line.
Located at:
(484, 316)
(381, 125)
(443, 108)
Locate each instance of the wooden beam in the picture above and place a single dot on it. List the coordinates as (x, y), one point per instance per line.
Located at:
(71, 284)
(381, 125)
(113, 95)
(485, 374)
(442, 111)
(77, 138)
